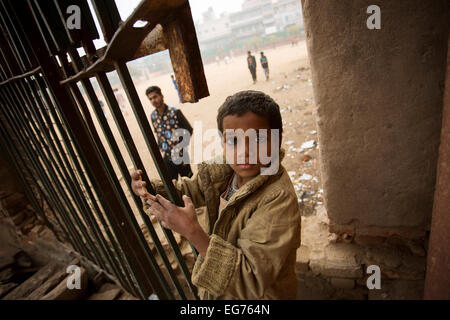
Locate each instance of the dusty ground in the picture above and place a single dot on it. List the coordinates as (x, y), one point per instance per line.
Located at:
(289, 85)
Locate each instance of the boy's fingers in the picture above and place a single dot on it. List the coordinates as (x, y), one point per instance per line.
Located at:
(163, 201)
(156, 207)
(187, 201)
(136, 175)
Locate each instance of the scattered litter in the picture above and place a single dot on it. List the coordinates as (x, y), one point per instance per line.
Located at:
(315, 179)
(309, 144)
(289, 142)
(313, 132)
(282, 110)
(306, 176)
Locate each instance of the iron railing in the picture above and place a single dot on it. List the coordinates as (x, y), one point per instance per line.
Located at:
(49, 133)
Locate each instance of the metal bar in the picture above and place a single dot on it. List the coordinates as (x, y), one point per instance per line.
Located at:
(68, 173)
(108, 17)
(149, 138)
(162, 285)
(54, 171)
(77, 169)
(88, 151)
(26, 74)
(76, 241)
(50, 171)
(20, 167)
(137, 163)
(122, 166)
(77, 162)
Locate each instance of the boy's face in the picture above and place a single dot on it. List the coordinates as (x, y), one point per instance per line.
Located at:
(239, 156)
(157, 100)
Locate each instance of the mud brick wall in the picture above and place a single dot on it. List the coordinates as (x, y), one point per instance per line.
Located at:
(379, 98)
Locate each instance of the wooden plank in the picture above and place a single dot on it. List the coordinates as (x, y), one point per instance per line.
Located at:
(32, 283)
(62, 292)
(185, 55)
(108, 291)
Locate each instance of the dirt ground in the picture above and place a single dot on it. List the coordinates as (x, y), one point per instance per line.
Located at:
(290, 86)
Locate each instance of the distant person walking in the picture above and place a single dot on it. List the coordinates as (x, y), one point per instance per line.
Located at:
(251, 62)
(265, 65)
(174, 81)
(165, 120)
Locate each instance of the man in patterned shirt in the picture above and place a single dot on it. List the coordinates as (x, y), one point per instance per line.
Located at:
(165, 120)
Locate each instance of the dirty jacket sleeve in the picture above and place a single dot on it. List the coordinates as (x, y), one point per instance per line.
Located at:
(246, 270)
(192, 187)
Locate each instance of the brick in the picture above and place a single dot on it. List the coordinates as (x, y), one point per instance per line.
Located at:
(364, 240)
(338, 260)
(385, 257)
(341, 283)
(302, 261)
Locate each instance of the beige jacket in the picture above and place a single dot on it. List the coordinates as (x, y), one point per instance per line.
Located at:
(253, 240)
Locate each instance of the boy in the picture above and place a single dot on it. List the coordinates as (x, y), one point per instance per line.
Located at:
(251, 63)
(252, 232)
(165, 121)
(265, 65)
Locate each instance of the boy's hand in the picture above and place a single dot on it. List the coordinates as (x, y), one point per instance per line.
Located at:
(182, 220)
(138, 186)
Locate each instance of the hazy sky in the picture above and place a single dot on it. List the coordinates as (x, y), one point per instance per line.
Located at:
(197, 6)
(126, 7)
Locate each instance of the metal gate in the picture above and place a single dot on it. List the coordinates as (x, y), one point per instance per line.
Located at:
(49, 135)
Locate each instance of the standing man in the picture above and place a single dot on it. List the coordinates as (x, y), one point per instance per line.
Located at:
(165, 120)
(251, 62)
(265, 65)
(176, 87)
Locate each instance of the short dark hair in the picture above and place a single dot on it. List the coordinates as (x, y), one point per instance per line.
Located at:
(153, 89)
(249, 52)
(250, 100)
